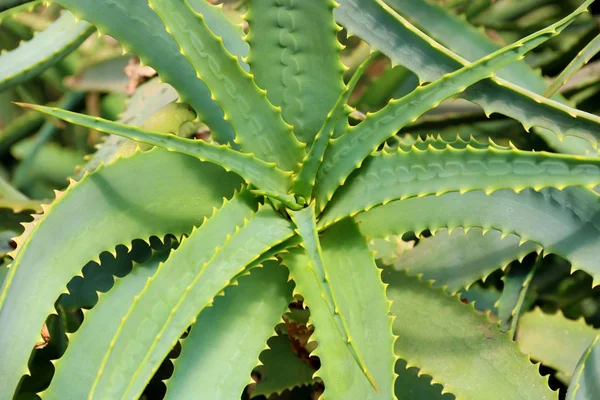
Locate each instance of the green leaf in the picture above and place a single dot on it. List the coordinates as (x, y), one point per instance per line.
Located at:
(264, 175)
(295, 56)
(141, 32)
(8, 4)
(563, 222)
(398, 174)
(583, 57)
(391, 34)
(307, 228)
(50, 253)
(281, 369)
(554, 340)
(12, 8)
(585, 384)
(448, 340)
(73, 375)
(241, 320)
(258, 125)
(455, 260)
(511, 302)
(202, 267)
(351, 267)
(43, 51)
(21, 127)
(347, 153)
(305, 181)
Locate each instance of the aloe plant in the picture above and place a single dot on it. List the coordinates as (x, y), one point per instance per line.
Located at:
(280, 206)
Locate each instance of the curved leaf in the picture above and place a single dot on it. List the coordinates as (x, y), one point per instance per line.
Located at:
(264, 175)
(187, 283)
(234, 329)
(585, 384)
(398, 174)
(448, 340)
(455, 260)
(74, 371)
(391, 34)
(295, 56)
(50, 253)
(347, 153)
(554, 340)
(43, 51)
(258, 125)
(350, 264)
(141, 32)
(563, 222)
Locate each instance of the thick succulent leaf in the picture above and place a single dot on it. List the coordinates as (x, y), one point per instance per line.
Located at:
(75, 370)
(43, 51)
(281, 368)
(307, 229)
(142, 32)
(49, 253)
(352, 269)
(305, 181)
(554, 340)
(265, 176)
(397, 174)
(457, 35)
(8, 4)
(585, 383)
(563, 222)
(295, 56)
(259, 126)
(582, 58)
(511, 302)
(231, 333)
(391, 34)
(347, 153)
(106, 75)
(448, 340)
(455, 260)
(147, 100)
(202, 267)
(222, 27)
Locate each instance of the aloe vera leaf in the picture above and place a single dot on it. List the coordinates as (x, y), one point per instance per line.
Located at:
(448, 340)
(306, 226)
(563, 222)
(584, 384)
(8, 192)
(351, 265)
(295, 56)
(583, 57)
(40, 264)
(43, 51)
(391, 34)
(103, 76)
(472, 44)
(232, 34)
(257, 172)
(306, 179)
(20, 128)
(281, 369)
(456, 259)
(142, 32)
(243, 319)
(397, 174)
(172, 299)
(511, 303)
(72, 376)
(347, 153)
(554, 340)
(148, 99)
(259, 126)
